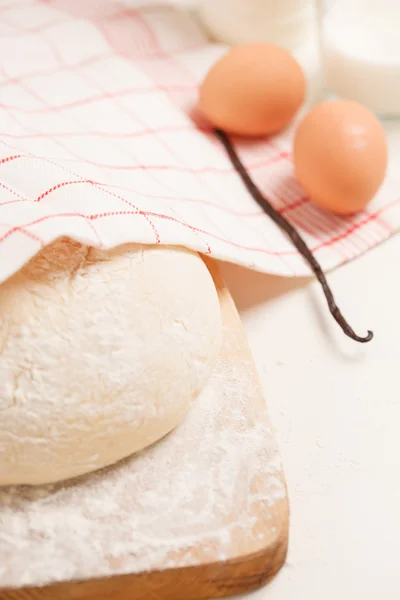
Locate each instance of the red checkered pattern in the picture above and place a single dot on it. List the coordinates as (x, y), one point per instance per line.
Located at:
(97, 143)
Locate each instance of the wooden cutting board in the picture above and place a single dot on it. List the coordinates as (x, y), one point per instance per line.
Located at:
(223, 532)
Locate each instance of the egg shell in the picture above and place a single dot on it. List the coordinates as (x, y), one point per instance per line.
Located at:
(340, 155)
(253, 90)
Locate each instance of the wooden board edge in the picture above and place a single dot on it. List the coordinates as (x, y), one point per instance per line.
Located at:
(214, 580)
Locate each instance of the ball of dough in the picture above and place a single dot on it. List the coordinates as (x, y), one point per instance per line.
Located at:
(101, 354)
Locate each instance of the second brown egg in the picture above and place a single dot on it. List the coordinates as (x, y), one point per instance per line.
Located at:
(340, 155)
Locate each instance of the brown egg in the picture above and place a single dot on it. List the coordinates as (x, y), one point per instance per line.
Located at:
(254, 90)
(340, 155)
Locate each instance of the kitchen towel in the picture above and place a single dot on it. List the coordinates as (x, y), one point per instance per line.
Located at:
(98, 142)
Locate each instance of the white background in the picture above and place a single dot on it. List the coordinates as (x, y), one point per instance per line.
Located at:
(336, 407)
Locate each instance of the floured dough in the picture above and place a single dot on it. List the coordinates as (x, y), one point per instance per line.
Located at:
(101, 354)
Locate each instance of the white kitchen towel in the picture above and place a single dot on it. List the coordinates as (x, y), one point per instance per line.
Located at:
(97, 142)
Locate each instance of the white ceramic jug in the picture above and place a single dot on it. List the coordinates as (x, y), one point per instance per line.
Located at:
(283, 22)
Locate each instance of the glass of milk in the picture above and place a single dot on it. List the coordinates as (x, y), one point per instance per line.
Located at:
(360, 49)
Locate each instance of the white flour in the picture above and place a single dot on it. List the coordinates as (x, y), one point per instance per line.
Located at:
(200, 490)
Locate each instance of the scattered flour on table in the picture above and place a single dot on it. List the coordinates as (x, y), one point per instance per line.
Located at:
(196, 489)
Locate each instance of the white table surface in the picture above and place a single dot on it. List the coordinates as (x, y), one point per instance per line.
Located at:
(336, 407)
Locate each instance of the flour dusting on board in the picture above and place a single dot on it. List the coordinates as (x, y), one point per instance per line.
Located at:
(200, 490)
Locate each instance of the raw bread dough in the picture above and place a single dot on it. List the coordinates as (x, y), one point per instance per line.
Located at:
(101, 354)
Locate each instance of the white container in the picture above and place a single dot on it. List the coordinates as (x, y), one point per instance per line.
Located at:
(360, 43)
(283, 22)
